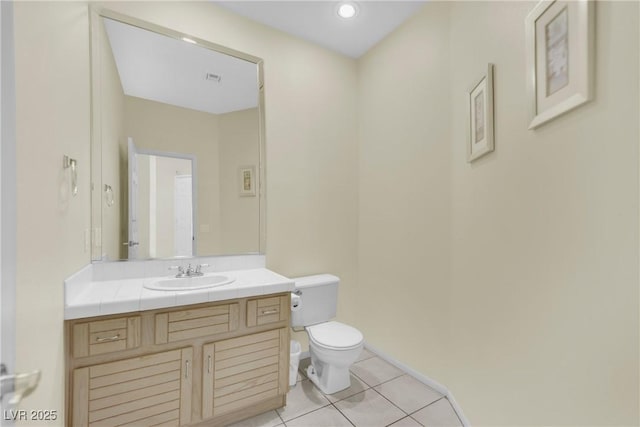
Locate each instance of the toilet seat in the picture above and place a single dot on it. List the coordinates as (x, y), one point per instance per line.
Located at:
(335, 336)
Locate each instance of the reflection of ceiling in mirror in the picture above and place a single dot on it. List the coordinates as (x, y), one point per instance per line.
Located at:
(163, 69)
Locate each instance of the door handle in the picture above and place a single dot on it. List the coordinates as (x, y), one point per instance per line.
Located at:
(20, 385)
(130, 243)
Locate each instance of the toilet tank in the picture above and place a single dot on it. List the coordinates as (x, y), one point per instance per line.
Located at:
(319, 299)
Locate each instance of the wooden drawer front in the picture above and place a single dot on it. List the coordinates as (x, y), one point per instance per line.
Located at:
(241, 372)
(263, 311)
(196, 323)
(106, 336)
(142, 391)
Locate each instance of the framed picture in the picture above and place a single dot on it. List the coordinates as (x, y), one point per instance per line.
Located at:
(480, 98)
(247, 177)
(560, 40)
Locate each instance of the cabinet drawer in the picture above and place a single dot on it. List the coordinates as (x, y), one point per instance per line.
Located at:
(241, 372)
(147, 390)
(196, 323)
(262, 311)
(106, 336)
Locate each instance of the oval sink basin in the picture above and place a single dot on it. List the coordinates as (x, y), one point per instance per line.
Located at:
(190, 283)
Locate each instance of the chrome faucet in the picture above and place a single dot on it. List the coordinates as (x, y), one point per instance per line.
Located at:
(189, 271)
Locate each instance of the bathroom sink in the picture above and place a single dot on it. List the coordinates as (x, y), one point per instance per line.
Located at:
(190, 283)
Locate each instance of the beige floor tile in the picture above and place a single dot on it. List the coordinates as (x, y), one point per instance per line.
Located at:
(357, 386)
(407, 393)
(374, 371)
(406, 422)
(366, 354)
(268, 419)
(438, 414)
(301, 399)
(323, 417)
(369, 409)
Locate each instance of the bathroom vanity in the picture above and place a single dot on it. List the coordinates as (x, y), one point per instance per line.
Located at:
(213, 362)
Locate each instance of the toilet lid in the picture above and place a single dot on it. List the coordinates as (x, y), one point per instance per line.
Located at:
(335, 335)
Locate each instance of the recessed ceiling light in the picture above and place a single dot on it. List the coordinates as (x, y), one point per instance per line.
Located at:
(347, 10)
(188, 40)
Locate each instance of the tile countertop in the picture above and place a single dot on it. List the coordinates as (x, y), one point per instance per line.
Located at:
(101, 298)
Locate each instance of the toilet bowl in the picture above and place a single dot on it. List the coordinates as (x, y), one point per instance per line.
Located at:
(333, 346)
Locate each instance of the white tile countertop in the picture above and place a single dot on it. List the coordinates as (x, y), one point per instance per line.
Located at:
(88, 298)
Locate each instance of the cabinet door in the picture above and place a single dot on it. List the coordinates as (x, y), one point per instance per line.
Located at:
(142, 391)
(241, 372)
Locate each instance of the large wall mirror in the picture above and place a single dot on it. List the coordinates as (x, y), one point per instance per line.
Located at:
(177, 144)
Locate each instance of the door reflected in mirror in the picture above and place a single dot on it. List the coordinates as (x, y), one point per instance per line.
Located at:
(174, 123)
(161, 205)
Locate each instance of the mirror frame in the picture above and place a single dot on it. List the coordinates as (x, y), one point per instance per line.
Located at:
(95, 14)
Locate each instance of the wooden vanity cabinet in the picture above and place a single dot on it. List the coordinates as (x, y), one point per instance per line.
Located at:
(244, 371)
(206, 364)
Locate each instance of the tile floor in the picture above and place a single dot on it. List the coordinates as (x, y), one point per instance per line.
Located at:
(380, 395)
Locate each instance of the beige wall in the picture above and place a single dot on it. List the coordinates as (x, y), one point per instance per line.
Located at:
(404, 189)
(545, 281)
(239, 219)
(52, 119)
(536, 322)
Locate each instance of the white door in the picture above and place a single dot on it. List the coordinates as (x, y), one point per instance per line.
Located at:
(183, 215)
(133, 241)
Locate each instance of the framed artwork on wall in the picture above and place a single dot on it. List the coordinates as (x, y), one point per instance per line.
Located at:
(247, 177)
(560, 40)
(480, 108)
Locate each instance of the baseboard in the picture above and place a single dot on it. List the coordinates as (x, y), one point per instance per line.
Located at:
(423, 379)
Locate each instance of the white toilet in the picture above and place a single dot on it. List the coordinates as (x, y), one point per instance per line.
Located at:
(334, 346)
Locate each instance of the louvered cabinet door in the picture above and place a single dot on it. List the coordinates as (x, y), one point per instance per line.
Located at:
(143, 391)
(242, 372)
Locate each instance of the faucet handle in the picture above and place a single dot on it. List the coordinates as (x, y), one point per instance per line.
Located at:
(200, 266)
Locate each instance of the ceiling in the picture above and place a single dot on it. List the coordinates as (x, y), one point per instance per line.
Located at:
(318, 22)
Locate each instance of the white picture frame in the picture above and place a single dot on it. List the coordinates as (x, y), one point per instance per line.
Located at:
(480, 135)
(247, 181)
(560, 45)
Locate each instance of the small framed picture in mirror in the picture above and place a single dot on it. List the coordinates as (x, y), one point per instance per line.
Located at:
(247, 177)
(480, 108)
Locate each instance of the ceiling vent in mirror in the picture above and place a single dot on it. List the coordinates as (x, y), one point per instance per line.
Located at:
(215, 77)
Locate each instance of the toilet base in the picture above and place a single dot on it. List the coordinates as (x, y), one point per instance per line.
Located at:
(331, 380)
